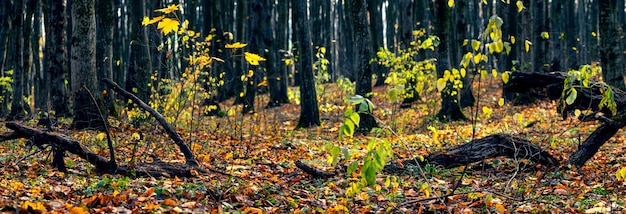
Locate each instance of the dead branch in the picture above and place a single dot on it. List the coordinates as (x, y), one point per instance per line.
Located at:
(189, 157)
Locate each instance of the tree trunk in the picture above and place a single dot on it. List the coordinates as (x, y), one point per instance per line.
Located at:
(363, 48)
(309, 112)
(275, 69)
(610, 54)
(23, 61)
(376, 27)
(450, 108)
(83, 63)
(140, 67)
(104, 51)
(56, 59)
(5, 20)
(463, 32)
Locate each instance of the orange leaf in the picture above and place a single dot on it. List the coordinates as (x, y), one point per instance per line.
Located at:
(169, 202)
(500, 208)
(148, 192)
(252, 210)
(77, 210)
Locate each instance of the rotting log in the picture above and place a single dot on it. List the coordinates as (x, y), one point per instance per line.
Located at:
(58, 141)
(550, 85)
(498, 145)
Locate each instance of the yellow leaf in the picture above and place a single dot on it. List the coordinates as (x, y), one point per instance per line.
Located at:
(527, 44)
(477, 58)
(33, 206)
(441, 84)
(101, 136)
(135, 136)
(450, 3)
(287, 61)
(499, 46)
(463, 72)
(485, 2)
(505, 77)
(487, 111)
(520, 6)
(512, 39)
(231, 112)
(494, 72)
(425, 189)
(322, 50)
(475, 44)
(545, 35)
(147, 21)
(236, 45)
(593, 33)
(253, 59)
(501, 101)
(168, 25)
(621, 174)
(169, 9)
(465, 42)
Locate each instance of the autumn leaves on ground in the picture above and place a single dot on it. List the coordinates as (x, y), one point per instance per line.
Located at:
(259, 151)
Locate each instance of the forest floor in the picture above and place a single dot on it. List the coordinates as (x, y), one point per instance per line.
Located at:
(260, 149)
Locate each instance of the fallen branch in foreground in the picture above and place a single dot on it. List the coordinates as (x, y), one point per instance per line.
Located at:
(62, 142)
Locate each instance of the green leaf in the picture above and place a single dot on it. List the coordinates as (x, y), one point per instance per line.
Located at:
(352, 167)
(354, 117)
(334, 152)
(356, 99)
(571, 97)
(368, 172)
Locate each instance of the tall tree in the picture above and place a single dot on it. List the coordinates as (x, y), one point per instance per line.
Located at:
(104, 36)
(83, 63)
(309, 112)
(374, 8)
(610, 54)
(363, 48)
(256, 45)
(275, 39)
(6, 21)
(540, 44)
(23, 60)
(56, 63)
(450, 108)
(140, 68)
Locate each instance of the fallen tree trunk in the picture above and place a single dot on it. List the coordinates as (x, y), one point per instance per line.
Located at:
(550, 85)
(498, 145)
(62, 142)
